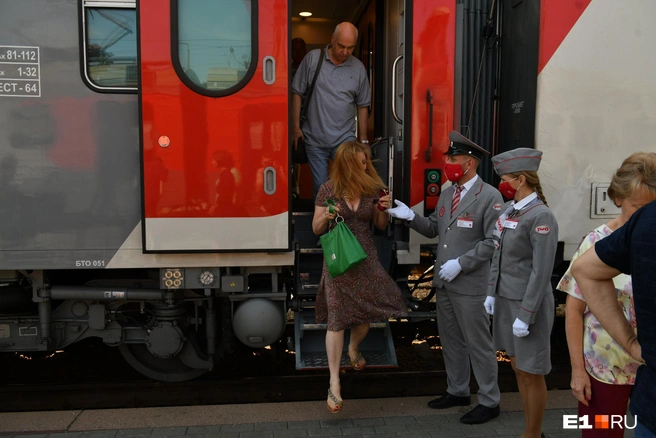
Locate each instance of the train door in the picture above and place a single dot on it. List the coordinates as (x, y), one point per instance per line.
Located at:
(421, 52)
(214, 112)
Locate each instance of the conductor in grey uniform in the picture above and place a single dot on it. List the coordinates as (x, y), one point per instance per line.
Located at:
(520, 288)
(464, 220)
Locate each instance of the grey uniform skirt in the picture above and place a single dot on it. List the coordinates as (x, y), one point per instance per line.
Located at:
(533, 352)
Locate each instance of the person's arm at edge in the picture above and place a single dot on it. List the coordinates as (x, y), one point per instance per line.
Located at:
(595, 279)
(580, 383)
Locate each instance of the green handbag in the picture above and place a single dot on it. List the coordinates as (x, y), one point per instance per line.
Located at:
(341, 249)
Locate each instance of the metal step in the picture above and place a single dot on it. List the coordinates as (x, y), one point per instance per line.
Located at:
(310, 342)
(308, 322)
(308, 282)
(311, 250)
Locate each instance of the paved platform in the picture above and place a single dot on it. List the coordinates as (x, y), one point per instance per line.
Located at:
(386, 417)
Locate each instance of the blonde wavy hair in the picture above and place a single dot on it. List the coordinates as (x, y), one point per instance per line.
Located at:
(346, 174)
(638, 171)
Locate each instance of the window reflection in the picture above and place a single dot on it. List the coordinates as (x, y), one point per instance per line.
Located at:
(111, 47)
(214, 41)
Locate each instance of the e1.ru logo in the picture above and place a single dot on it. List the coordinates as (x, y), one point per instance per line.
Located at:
(600, 422)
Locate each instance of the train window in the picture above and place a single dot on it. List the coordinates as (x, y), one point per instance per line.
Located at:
(110, 47)
(214, 44)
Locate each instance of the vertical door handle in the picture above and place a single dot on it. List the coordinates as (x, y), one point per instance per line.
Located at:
(269, 180)
(396, 117)
(269, 70)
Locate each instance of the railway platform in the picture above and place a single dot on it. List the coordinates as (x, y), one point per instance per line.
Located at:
(381, 417)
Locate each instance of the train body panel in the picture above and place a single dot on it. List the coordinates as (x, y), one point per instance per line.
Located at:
(217, 119)
(596, 106)
(70, 157)
(71, 160)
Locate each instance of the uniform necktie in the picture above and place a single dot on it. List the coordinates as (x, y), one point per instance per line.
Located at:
(456, 199)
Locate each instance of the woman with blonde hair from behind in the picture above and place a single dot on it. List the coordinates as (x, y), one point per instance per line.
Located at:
(365, 293)
(603, 373)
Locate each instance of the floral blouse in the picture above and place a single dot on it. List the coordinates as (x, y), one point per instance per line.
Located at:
(604, 359)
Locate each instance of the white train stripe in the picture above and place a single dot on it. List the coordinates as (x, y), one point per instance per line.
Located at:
(130, 255)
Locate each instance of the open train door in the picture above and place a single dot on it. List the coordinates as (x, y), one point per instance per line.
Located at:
(421, 56)
(214, 112)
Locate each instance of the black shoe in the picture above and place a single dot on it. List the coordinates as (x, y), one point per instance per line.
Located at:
(448, 401)
(480, 414)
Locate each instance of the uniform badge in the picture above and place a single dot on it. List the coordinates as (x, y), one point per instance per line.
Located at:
(542, 229)
(465, 222)
(441, 212)
(496, 207)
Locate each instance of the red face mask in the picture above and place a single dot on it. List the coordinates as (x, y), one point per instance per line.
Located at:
(454, 171)
(506, 190)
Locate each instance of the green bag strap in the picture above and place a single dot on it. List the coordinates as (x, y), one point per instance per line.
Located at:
(330, 203)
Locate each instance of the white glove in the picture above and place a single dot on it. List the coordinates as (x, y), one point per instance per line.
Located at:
(489, 305)
(450, 270)
(520, 328)
(401, 211)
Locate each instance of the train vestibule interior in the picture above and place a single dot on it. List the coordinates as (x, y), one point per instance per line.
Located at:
(315, 32)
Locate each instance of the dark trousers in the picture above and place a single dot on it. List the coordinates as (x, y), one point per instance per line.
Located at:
(608, 400)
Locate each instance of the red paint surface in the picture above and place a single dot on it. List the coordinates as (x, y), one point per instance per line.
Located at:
(433, 49)
(557, 17)
(248, 128)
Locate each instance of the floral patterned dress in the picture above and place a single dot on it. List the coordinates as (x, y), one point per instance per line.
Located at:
(365, 293)
(604, 359)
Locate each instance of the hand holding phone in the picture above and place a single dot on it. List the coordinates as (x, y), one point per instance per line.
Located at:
(382, 193)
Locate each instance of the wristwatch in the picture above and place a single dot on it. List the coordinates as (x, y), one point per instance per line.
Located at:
(364, 141)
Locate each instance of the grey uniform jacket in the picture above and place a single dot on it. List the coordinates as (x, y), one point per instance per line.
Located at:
(473, 247)
(523, 263)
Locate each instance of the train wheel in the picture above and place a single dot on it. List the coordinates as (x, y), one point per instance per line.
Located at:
(166, 370)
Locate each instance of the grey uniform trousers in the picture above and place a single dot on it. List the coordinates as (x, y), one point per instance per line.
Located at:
(464, 329)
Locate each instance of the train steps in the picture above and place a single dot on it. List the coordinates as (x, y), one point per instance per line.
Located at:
(310, 341)
(310, 336)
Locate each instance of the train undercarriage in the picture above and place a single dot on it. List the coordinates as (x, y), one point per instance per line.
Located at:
(170, 332)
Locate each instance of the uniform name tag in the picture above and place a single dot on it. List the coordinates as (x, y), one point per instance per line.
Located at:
(465, 222)
(510, 223)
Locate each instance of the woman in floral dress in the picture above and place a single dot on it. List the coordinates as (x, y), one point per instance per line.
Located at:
(603, 373)
(365, 293)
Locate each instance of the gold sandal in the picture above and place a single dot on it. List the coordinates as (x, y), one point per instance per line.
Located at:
(338, 403)
(356, 364)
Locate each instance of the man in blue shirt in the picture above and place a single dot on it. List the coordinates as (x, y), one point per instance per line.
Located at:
(630, 250)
